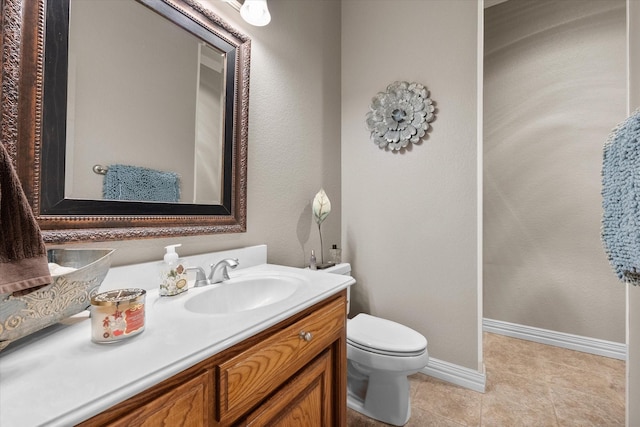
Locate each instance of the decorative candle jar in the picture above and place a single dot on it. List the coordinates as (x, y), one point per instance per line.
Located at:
(117, 315)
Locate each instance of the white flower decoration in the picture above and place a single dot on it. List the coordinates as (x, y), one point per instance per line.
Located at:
(321, 206)
(321, 210)
(400, 115)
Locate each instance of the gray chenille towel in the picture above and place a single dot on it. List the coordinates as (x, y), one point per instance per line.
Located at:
(23, 255)
(125, 182)
(621, 199)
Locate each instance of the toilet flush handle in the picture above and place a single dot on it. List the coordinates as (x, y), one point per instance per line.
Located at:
(305, 336)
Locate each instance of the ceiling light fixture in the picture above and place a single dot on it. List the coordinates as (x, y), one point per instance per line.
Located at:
(255, 12)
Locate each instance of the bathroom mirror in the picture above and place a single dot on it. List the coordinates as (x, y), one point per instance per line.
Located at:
(154, 125)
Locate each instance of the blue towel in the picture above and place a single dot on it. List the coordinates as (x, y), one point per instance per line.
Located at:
(123, 182)
(621, 199)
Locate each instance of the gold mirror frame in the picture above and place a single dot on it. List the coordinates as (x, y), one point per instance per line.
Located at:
(21, 95)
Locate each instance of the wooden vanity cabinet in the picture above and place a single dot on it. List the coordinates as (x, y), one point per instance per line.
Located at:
(292, 374)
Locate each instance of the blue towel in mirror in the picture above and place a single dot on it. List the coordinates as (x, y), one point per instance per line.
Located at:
(621, 199)
(124, 182)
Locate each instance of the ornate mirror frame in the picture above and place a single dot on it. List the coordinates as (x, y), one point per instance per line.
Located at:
(22, 46)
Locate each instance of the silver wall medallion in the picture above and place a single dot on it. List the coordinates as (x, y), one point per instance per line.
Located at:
(400, 115)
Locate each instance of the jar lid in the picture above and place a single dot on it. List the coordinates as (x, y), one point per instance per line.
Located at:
(119, 296)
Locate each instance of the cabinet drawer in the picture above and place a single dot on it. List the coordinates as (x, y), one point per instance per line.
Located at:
(249, 377)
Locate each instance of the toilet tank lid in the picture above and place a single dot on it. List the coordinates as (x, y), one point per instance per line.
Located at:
(342, 268)
(383, 334)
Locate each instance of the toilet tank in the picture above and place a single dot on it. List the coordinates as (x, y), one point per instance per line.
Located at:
(343, 268)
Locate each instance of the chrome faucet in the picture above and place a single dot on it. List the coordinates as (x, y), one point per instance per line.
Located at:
(220, 271)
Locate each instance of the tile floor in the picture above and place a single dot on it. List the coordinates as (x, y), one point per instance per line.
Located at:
(528, 384)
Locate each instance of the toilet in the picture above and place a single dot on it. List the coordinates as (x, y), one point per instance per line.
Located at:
(381, 354)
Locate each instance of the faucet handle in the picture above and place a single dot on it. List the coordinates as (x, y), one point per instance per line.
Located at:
(201, 278)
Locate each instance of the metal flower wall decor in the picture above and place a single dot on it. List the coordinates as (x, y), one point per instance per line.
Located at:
(400, 115)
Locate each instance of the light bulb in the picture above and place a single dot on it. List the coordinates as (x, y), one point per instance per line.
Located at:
(255, 12)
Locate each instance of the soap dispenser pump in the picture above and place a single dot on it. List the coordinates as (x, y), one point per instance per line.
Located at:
(173, 274)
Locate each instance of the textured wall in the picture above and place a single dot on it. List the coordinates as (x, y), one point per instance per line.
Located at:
(554, 88)
(294, 137)
(409, 218)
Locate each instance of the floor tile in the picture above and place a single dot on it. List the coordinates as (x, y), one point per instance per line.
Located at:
(421, 418)
(355, 419)
(457, 404)
(593, 381)
(574, 408)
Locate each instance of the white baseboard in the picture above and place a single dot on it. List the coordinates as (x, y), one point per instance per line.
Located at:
(455, 374)
(559, 339)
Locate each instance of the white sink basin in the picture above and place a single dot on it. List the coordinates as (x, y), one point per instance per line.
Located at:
(243, 294)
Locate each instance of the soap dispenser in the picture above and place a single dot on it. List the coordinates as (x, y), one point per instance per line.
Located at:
(173, 274)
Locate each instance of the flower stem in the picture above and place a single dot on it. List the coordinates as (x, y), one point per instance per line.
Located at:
(321, 247)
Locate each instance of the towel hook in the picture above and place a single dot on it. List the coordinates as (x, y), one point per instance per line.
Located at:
(100, 170)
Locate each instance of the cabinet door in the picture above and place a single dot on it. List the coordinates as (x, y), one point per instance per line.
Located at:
(186, 405)
(248, 378)
(306, 400)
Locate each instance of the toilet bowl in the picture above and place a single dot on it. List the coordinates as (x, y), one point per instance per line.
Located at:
(381, 354)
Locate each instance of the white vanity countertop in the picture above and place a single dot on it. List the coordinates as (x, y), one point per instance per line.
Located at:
(59, 377)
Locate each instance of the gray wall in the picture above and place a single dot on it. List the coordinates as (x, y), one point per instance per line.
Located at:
(294, 137)
(555, 86)
(410, 218)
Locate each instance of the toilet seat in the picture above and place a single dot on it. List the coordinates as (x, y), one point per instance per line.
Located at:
(386, 353)
(385, 337)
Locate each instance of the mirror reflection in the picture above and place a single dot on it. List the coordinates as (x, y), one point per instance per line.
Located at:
(145, 107)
